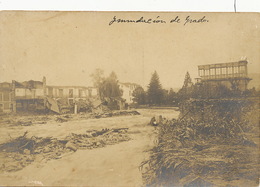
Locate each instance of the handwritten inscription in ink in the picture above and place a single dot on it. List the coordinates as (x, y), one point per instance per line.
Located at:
(158, 20)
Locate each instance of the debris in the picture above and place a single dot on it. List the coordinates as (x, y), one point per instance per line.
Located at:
(61, 120)
(71, 146)
(26, 151)
(198, 182)
(115, 113)
(52, 105)
(24, 123)
(23, 150)
(40, 122)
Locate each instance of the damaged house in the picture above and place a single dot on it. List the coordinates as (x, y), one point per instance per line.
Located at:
(7, 102)
(62, 99)
(29, 95)
(36, 96)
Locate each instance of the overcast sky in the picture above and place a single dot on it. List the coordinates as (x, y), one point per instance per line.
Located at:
(67, 47)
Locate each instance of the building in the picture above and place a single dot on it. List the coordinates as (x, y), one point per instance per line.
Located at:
(128, 89)
(29, 95)
(62, 99)
(7, 103)
(233, 75)
(71, 93)
(34, 95)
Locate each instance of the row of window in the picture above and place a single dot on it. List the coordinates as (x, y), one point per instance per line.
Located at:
(5, 96)
(71, 92)
(223, 71)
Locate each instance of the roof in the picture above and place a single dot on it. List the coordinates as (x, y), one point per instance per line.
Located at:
(83, 87)
(128, 84)
(219, 65)
(5, 85)
(28, 84)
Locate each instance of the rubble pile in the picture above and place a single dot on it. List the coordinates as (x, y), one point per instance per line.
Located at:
(22, 151)
(17, 120)
(115, 113)
(218, 152)
(23, 123)
(95, 139)
(61, 120)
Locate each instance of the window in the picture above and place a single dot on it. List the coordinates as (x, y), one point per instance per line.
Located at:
(6, 105)
(242, 69)
(217, 71)
(224, 71)
(230, 71)
(6, 96)
(60, 92)
(70, 92)
(80, 93)
(1, 97)
(33, 93)
(212, 71)
(201, 72)
(236, 69)
(50, 91)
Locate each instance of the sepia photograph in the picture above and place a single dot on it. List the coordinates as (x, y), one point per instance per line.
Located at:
(129, 99)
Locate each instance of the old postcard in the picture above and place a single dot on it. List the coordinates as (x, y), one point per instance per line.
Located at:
(129, 99)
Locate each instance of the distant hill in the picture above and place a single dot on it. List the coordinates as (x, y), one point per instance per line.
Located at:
(255, 82)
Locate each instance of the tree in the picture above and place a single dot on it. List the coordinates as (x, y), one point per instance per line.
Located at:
(110, 87)
(206, 90)
(155, 92)
(172, 97)
(139, 95)
(97, 78)
(113, 76)
(165, 97)
(186, 91)
(187, 81)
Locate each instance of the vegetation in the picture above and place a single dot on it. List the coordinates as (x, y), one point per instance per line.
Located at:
(206, 90)
(107, 86)
(110, 87)
(200, 149)
(155, 91)
(140, 96)
(155, 94)
(214, 142)
(97, 77)
(186, 91)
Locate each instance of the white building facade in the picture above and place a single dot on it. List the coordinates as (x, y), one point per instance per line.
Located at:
(128, 89)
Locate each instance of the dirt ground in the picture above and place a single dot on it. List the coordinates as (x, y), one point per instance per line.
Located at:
(112, 165)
